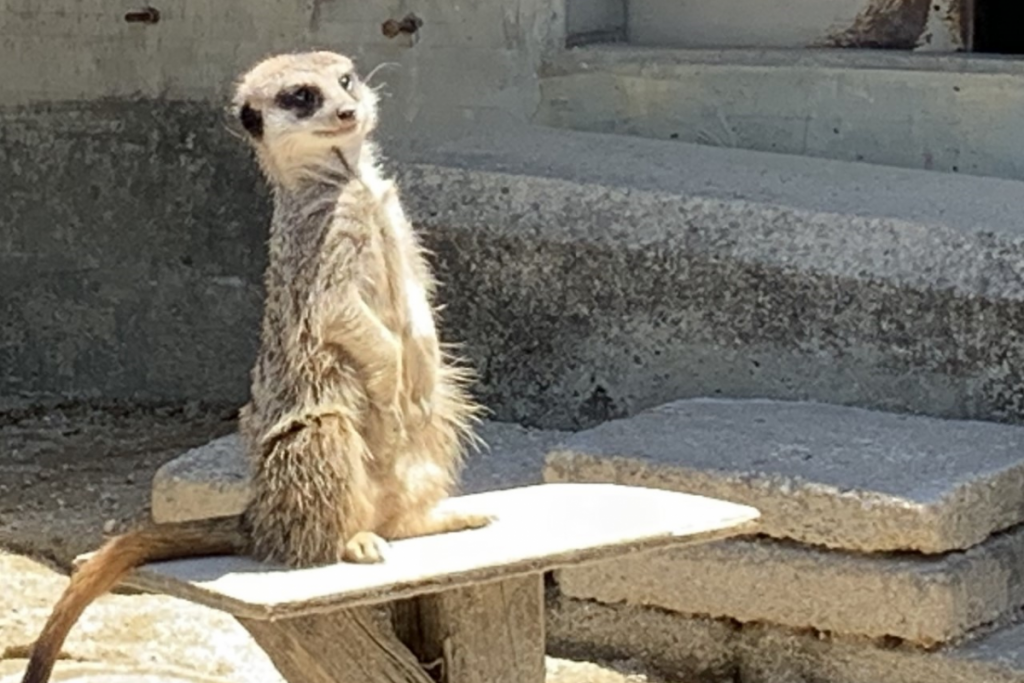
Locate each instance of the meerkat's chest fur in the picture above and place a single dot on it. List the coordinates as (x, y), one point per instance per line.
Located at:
(327, 228)
(323, 238)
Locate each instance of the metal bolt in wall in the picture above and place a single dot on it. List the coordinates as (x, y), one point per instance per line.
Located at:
(146, 15)
(408, 25)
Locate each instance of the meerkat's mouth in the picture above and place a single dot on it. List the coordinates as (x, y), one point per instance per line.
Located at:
(347, 122)
(334, 132)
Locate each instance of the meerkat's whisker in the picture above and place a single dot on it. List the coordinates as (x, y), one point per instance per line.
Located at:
(374, 70)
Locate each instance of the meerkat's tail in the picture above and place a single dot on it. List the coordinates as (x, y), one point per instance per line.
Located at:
(117, 557)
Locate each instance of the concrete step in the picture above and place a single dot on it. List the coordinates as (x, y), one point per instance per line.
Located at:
(586, 276)
(701, 649)
(924, 600)
(826, 475)
(590, 276)
(949, 112)
(212, 480)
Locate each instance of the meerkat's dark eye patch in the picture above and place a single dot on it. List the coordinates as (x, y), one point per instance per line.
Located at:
(303, 100)
(251, 120)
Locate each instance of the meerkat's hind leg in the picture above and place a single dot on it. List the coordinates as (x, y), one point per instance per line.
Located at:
(365, 547)
(436, 521)
(312, 493)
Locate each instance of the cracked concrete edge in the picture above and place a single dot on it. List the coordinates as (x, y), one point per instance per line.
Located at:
(705, 649)
(927, 600)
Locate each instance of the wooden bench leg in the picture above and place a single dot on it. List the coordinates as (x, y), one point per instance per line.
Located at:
(486, 633)
(349, 646)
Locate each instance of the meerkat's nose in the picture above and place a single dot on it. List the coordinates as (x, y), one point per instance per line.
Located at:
(347, 114)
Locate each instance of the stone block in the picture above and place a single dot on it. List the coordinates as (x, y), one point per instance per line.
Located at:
(211, 480)
(926, 600)
(696, 648)
(839, 477)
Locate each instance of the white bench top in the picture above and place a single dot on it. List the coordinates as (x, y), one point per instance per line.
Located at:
(538, 528)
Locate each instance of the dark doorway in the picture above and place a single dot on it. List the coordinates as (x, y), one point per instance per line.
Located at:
(999, 26)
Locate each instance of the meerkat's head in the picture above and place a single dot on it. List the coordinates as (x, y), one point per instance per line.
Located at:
(305, 113)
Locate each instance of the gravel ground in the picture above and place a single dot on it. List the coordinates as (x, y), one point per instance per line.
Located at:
(70, 473)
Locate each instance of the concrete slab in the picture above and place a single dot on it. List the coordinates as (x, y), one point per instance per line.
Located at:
(827, 475)
(212, 480)
(835, 104)
(926, 600)
(702, 649)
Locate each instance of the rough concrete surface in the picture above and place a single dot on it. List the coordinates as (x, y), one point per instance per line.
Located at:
(131, 250)
(882, 107)
(704, 649)
(212, 480)
(820, 474)
(926, 600)
(763, 275)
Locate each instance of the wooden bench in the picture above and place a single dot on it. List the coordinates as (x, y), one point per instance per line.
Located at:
(467, 607)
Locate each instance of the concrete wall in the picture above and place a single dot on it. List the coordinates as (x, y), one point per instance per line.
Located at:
(132, 226)
(84, 50)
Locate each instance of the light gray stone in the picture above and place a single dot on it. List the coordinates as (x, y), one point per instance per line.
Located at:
(213, 480)
(827, 475)
(702, 649)
(927, 600)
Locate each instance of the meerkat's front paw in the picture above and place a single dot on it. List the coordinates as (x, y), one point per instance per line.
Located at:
(421, 365)
(365, 547)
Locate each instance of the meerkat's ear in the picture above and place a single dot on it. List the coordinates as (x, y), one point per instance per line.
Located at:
(251, 120)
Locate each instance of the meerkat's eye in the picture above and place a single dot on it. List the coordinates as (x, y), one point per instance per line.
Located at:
(346, 81)
(303, 100)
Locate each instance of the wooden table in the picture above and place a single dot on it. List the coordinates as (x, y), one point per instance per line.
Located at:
(466, 607)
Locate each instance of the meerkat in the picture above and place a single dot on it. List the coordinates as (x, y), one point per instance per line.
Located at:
(358, 418)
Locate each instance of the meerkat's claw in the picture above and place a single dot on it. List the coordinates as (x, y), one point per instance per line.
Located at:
(365, 547)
